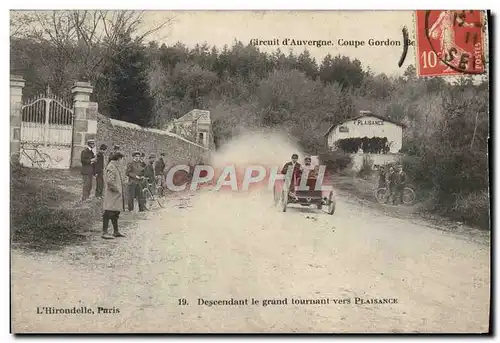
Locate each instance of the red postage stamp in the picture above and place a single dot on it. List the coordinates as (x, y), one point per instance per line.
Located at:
(449, 42)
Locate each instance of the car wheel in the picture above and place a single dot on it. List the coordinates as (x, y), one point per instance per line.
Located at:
(331, 204)
(276, 197)
(284, 200)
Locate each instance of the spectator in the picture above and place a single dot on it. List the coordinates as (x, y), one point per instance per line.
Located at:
(143, 155)
(87, 159)
(381, 178)
(116, 148)
(400, 182)
(114, 201)
(149, 174)
(98, 171)
(389, 179)
(160, 165)
(159, 170)
(143, 183)
(135, 176)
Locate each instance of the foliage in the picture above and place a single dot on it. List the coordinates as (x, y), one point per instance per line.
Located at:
(335, 161)
(37, 218)
(127, 75)
(366, 167)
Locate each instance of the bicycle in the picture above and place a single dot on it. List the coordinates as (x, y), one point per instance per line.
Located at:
(42, 160)
(160, 191)
(149, 196)
(382, 195)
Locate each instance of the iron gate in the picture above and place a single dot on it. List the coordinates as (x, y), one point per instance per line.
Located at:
(47, 129)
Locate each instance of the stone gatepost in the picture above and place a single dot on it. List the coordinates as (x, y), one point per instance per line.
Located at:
(16, 93)
(84, 120)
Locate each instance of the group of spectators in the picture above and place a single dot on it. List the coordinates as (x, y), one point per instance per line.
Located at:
(110, 183)
(141, 175)
(394, 179)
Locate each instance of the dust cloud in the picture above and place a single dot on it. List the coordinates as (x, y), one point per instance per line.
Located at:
(256, 148)
(265, 148)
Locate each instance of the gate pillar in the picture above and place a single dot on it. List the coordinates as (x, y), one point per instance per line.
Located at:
(16, 93)
(85, 120)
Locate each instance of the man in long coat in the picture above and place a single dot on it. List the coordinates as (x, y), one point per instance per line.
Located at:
(114, 200)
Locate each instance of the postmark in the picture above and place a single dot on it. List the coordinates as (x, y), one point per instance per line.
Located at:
(449, 42)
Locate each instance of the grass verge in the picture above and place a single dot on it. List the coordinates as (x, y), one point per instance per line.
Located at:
(45, 208)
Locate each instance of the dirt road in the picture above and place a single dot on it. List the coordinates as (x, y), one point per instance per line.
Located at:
(217, 246)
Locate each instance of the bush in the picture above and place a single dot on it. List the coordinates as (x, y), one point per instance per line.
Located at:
(473, 208)
(415, 172)
(335, 161)
(455, 181)
(43, 226)
(37, 215)
(367, 167)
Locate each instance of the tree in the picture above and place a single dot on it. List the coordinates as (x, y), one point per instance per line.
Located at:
(307, 65)
(191, 82)
(81, 41)
(342, 70)
(127, 75)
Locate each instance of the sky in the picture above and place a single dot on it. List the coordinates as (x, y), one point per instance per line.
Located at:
(223, 27)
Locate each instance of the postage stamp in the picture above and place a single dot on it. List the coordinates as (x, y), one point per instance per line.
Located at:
(449, 42)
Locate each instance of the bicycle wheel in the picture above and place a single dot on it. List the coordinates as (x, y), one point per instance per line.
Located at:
(45, 162)
(147, 195)
(15, 159)
(160, 192)
(382, 195)
(408, 196)
(159, 200)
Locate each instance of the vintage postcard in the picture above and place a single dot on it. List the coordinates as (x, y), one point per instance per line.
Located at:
(250, 171)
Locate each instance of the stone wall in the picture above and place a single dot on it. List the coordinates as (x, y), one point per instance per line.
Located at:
(131, 137)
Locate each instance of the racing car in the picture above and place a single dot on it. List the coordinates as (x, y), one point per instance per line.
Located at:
(286, 191)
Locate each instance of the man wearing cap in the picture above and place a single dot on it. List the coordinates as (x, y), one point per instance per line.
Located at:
(87, 159)
(400, 181)
(292, 170)
(135, 172)
(159, 169)
(143, 156)
(149, 173)
(99, 170)
(312, 171)
(116, 148)
(143, 184)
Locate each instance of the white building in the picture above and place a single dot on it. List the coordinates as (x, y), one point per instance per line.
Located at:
(368, 125)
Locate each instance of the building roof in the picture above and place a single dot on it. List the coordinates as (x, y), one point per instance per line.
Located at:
(195, 115)
(365, 114)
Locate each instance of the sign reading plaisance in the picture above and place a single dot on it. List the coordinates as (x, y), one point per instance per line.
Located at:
(368, 122)
(367, 125)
